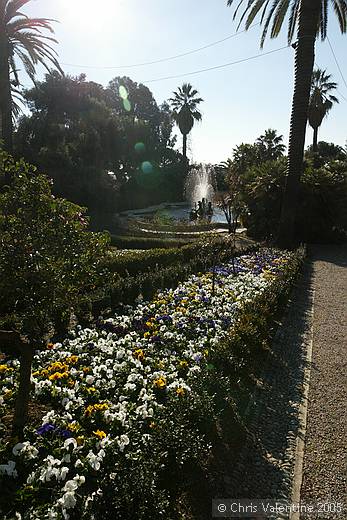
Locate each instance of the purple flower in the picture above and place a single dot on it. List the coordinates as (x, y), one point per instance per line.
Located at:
(64, 433)
(45, 428)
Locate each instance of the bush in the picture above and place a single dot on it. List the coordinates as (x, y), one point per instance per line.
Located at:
(48, 259)
(146, 272)
(138, 242)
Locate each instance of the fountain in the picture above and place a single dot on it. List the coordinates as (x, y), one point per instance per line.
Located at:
(199, 191)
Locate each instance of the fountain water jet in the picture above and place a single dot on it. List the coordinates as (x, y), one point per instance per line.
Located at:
(200, 184)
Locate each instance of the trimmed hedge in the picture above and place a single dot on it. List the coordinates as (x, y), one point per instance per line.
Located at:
(138, 242)
(134, 274)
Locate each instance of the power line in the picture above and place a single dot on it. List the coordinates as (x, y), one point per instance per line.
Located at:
(217, 66)
(162, 60)
(337, 63)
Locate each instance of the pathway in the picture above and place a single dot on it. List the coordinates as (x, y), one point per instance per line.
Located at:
(325, 457)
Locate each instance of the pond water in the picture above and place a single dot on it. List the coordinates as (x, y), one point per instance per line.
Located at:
(177, 211)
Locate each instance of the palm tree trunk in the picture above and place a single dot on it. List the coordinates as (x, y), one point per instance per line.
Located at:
(315, 139)
(5, 93)
(304, 61)
(185, 147)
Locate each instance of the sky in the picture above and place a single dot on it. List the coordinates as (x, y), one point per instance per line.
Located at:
(102, 38)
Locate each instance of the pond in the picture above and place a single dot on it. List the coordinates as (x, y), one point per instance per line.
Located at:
(175, 210)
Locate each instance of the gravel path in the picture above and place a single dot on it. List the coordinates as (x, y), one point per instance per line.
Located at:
(266, 464)
(325, 459)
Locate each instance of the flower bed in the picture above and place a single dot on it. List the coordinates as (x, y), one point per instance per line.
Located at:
(126, 404)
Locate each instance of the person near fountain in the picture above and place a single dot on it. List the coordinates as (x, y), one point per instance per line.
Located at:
(209, 211)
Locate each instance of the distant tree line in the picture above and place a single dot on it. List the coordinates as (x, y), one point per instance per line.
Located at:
(109, 148)
(259, 172)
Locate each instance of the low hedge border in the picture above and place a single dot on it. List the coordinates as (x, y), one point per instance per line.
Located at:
(143, 274)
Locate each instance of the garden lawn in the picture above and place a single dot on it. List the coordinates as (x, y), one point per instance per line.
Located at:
(127, 401)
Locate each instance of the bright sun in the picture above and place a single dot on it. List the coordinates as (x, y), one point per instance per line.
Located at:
(96, 17)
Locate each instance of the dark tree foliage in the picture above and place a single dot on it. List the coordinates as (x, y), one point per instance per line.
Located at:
(109, 149)
(322, 198)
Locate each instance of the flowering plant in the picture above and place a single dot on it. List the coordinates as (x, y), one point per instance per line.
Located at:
(128, 401)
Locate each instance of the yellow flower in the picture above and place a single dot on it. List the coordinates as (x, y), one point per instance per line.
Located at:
(71, 383)
(160, 383)
(146, 334)
(206, 352)
(58, 375)
(183, 364)
(139, 354)
(5, 368)
(100, 434)
(95, 408)
(71, 360)
(90, 389)
(58, 366)
(73, 427)
(50, 345)
(86, 369)
(152, 424)
(180, 391)
(80, 440)
(89, 410)
(101, 406)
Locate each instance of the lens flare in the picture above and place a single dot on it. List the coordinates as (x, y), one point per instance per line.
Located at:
(123, 92)
(127, 105)
(146, 167)
(140, 148)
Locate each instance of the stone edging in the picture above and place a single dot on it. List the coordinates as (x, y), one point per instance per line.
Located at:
(303, 412)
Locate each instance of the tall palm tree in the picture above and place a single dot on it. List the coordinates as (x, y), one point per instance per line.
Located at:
(20, 38)
(308, 19)
(184, 104)
(321, 101)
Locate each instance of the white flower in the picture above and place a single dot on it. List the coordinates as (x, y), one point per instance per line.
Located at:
(72, 485)
(9, 469)
(70, 442)
(123, 441)
(90, 380)
(68, 500)
(94, 460)
(25, 449)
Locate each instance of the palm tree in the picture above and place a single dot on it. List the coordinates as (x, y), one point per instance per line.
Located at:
(184, 104)
(270, 145)
(20, 38)
(321, 101)
(308, 19)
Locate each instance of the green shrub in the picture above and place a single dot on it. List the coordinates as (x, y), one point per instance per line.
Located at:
(48, 259)
(138, 242)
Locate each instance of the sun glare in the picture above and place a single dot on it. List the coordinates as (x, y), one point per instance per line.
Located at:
(96, 17)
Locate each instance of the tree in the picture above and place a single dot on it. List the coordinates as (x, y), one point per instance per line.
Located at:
(48, 263)
(326, 152)
(321, 101)
(184, 104)
(20, 38)
(73, 136)
(308, 19)
(270, 145)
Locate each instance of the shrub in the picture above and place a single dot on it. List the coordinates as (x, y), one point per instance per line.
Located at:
(48, 260)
